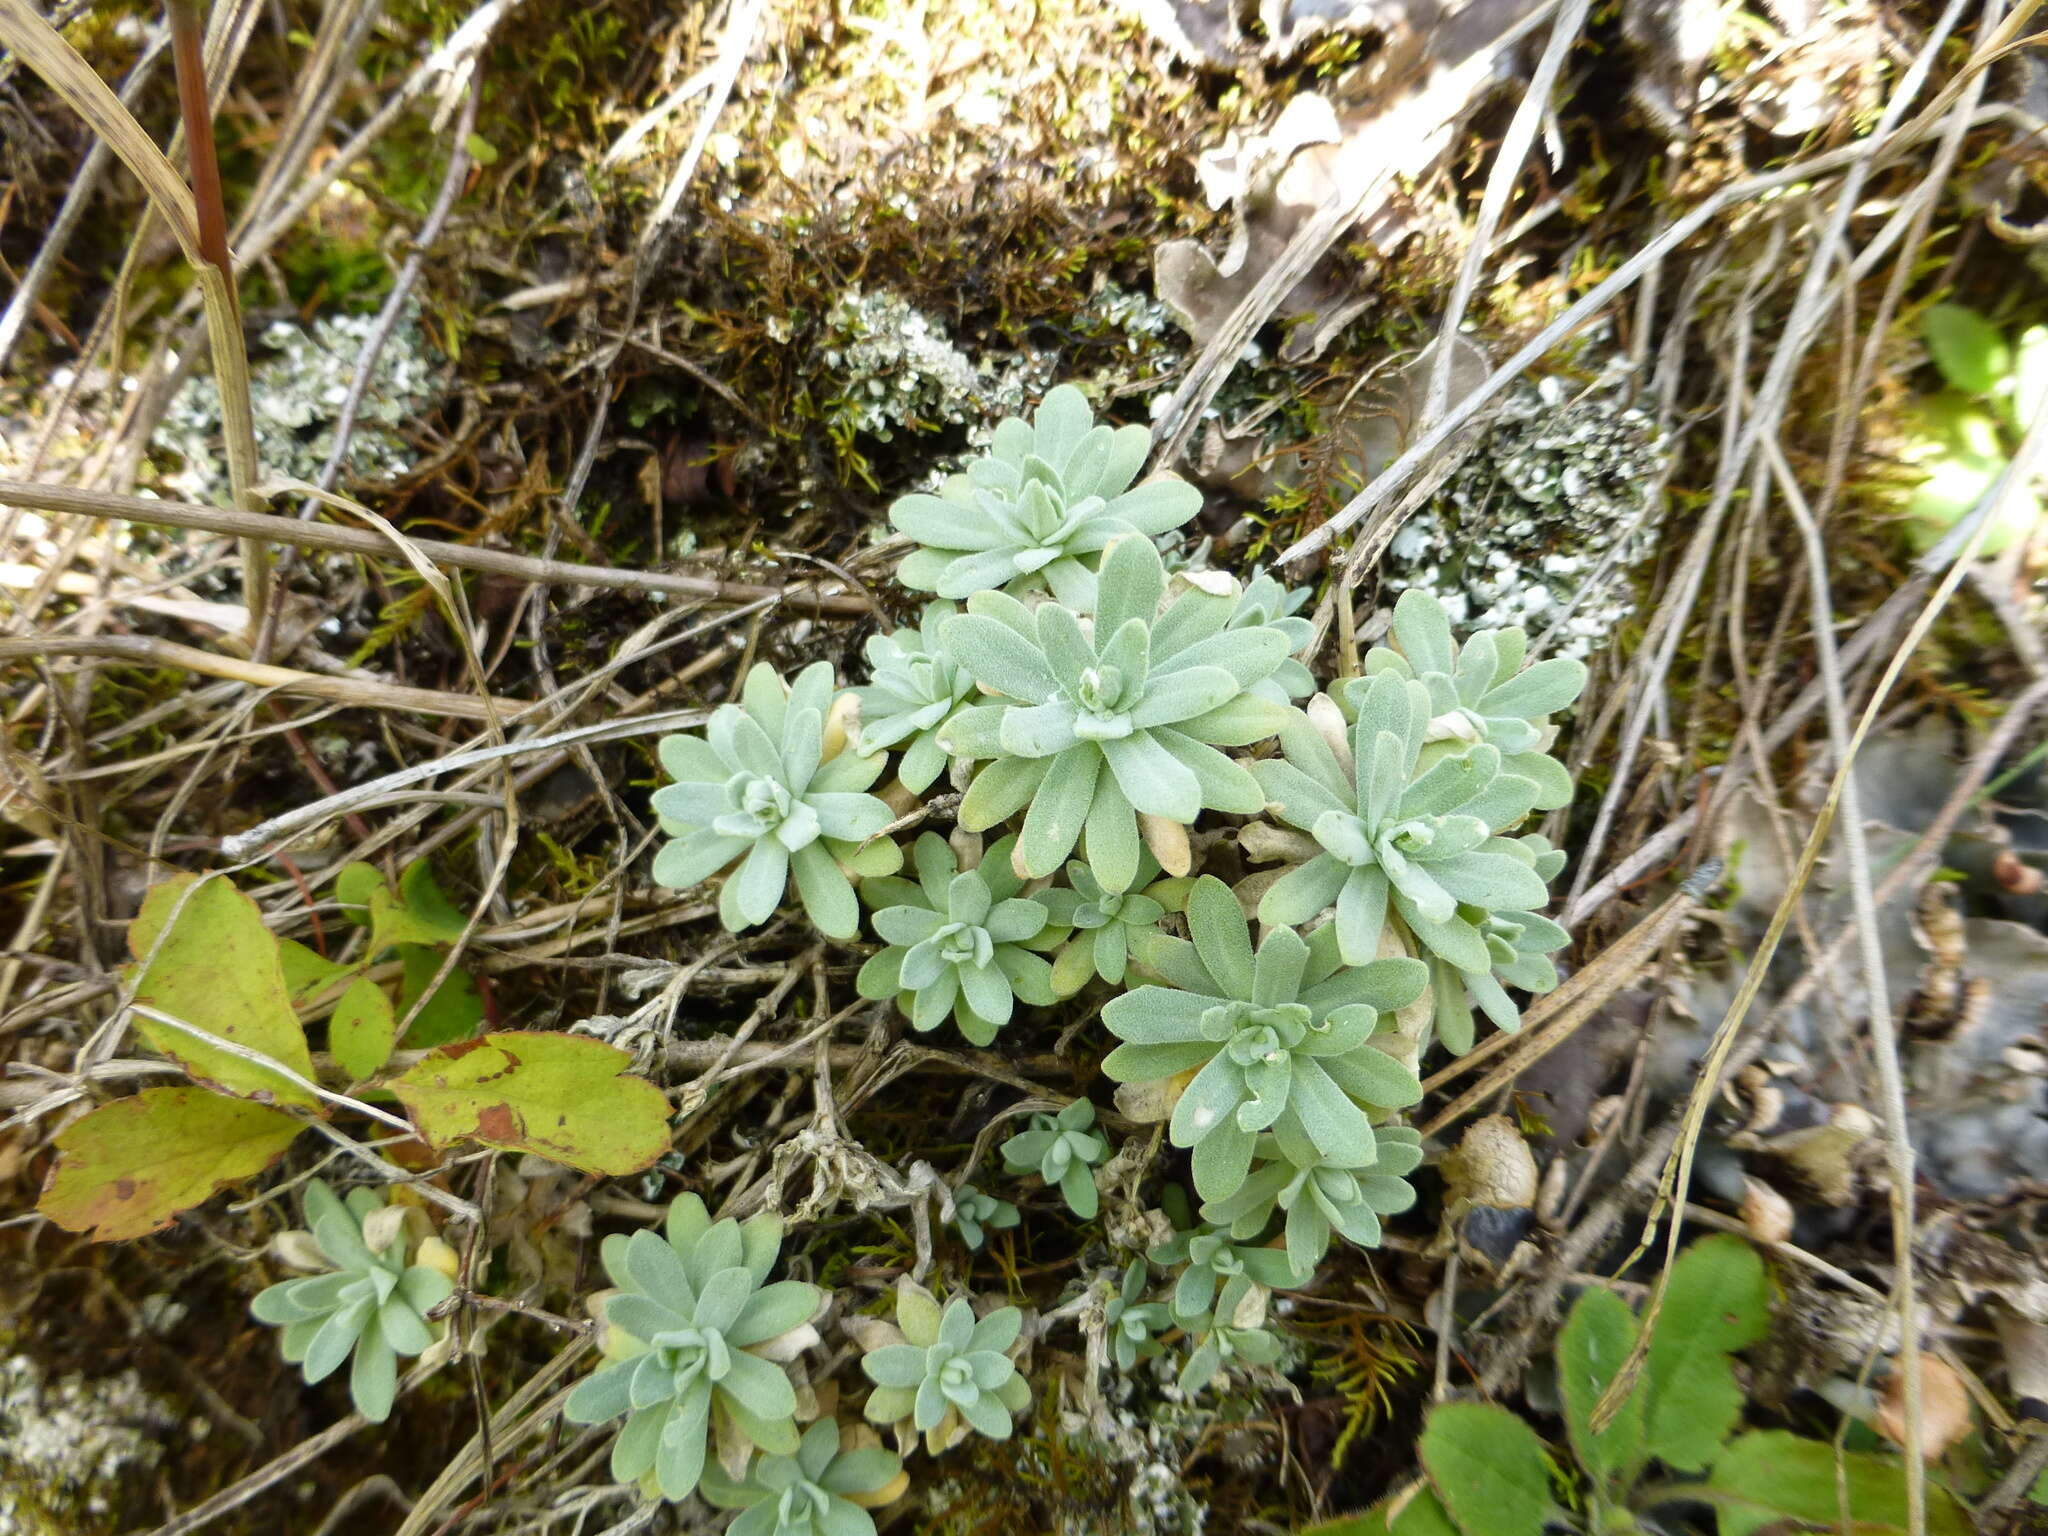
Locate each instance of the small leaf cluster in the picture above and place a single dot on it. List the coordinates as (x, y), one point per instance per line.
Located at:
(822, 1488)
(1281, 1067)
(1037, 510)
(765, 788)
(976, 1214)
(941, 1372)
(1967, 432)
(1408, 791)
(693, 1336)
(1063, 1150)
(1488, 1473)
(372, 1303)
(958, 941)
(1106, 716)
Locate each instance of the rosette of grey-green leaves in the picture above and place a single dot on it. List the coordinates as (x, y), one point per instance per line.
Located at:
(1101, 922)
(976, 1214)
(688, 1334)
(1209, 1258)
(962, 1366)
(1519, 944)
(1324, 1195)
(1280, 1040)
(808, 1493)
(758, 788)
(1037, 509)
(1267, 603)
(1131, 1321)
(956, 942)
(914, 685)
(1396, 835)
(1234, 1333)
(1480, 692)
(1103, 719)
(1062, 1150)
(372, 1304)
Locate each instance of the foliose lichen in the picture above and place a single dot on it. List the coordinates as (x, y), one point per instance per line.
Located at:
(1559, 487)
(298, 380)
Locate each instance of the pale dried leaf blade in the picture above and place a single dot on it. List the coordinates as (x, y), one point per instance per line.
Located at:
(43, 48)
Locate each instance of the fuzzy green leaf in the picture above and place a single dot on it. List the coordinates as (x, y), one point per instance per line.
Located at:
(1489, 1469)
(1596, 1339)
(1770, 1475)
(1717, 1301)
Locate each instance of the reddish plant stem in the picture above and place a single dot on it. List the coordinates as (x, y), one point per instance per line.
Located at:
(188, 53)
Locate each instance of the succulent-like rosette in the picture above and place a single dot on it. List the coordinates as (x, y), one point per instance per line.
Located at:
(1321, 1195)
(1209, 1258)
(1392, 832)
(1103, 720)
(1131, 1321)
(693, 1335)
(956, 942)
(1037, 509)
(1480, 692)
(1102, 922)
(1233, 1333)
(976, 1214)
(944, 1370)
(1063, 1150)
(764, 786)
(1266, 603)
(825, 1488)
(1519, 944)
(372, 1304)
(1279, 1040)
(914, 686)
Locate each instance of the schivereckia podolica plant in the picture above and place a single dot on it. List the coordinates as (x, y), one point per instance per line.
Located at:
(1110, 723)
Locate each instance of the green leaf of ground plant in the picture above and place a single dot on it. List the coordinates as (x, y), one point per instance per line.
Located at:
(1420, 1515)
(307, 973)
(1770, 1476)
(1968, 349)
(1489, 1469)
(1596, 1339)
(217, 969)
(130, 1166)
(362, 1030)
(1717, 1301)
(418, 914)
(565, 1097)
(452, 1013)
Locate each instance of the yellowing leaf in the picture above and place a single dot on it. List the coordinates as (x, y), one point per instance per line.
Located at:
(362, 1029)
(218, 970)
(565, 1097)
(131, 1165)
(306, 974)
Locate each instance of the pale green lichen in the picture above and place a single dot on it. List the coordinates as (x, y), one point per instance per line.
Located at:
(298, 380)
